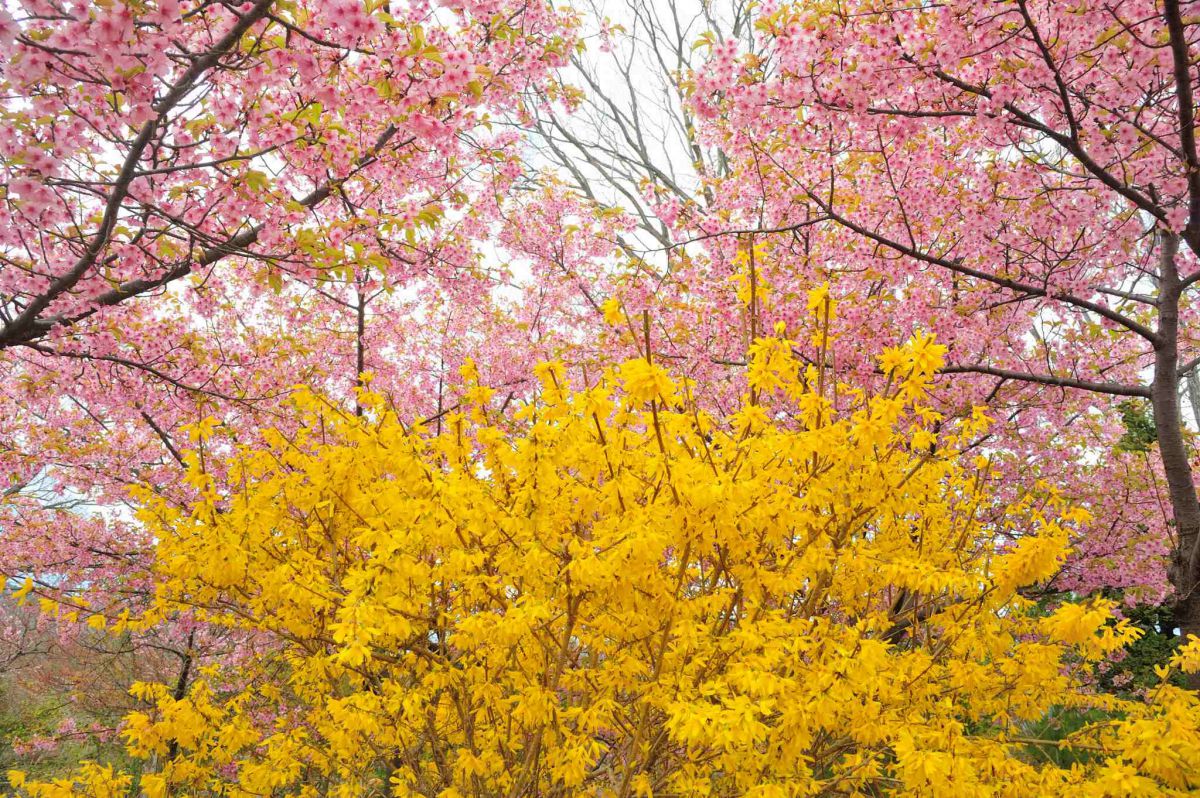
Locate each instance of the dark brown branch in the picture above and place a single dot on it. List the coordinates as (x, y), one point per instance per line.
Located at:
(1071, 145)
(959, 267)
(1181, 62)
(18, 329)
(1110, 388)
(1048, 58)
(162, 436)
(134, 364)
(234, 245)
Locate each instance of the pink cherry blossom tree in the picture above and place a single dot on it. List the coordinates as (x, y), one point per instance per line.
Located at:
(206, 204)
(1019, 155)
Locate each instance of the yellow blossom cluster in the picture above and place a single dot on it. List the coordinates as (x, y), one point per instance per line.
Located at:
(618, 594)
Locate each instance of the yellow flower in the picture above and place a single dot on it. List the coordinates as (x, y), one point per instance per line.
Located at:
(611, 308)
(819, 299)
(539, 604)
(646, 381)
(550, 374)
(1187, 657)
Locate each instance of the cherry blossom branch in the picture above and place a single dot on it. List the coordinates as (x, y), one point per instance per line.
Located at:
(1110, 388)
(1048, 58)
(1069, 143)
(1181, 64)
(18, 329)
(790, 228)
(146, 367)
(1189, 366)
(162, 436)
(957, 266)
(234, 245)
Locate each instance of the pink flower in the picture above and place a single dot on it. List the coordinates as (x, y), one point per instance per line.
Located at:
(1177, 218)
(8, 29)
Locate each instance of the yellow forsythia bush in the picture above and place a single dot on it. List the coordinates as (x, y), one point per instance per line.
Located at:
(620, 595)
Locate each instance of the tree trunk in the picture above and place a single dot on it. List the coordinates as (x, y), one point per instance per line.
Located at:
(1168, 423)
